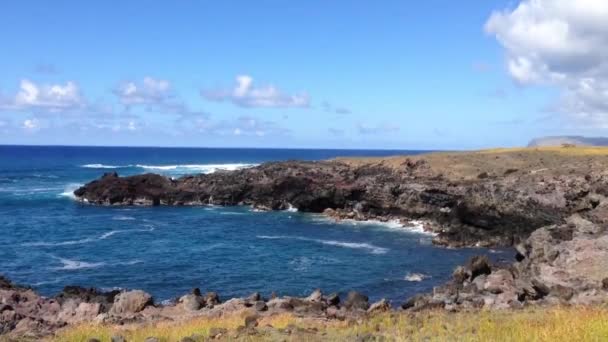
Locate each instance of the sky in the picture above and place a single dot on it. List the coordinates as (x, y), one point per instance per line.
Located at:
(302, 74)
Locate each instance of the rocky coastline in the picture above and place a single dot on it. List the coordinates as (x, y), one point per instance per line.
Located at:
(26, 314)
(551, 207)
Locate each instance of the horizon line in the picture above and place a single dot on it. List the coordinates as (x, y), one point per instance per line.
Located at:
(226, 147)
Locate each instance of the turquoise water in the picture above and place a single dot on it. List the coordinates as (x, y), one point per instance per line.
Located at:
(48, 240)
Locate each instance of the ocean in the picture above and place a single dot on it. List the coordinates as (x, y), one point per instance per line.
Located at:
(48, 240)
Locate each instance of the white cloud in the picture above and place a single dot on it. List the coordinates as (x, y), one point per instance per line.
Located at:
(246, 94)
(131, 126)
(31, 125)
(561, 43)
(148, 91)
(155, 95)
(53, 97)
(241, 126)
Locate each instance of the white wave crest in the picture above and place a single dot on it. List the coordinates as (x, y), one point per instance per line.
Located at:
(176, 168)
(100, 166)
(355, 245)
(56, 244)
(416, 277)
(291, 208)
(69, 189)
(123, 218)
(86, 240)
(412, 227)
(202, 168)
(71, 265)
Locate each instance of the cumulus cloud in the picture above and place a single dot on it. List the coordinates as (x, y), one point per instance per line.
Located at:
(241, 126)
(155, 95)
(52, 97)
(246, 94)
(561, 43)
(379, 129)
(148, 91)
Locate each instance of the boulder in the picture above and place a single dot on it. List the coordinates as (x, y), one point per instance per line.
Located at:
(333, 299)
(479, 265)
(212, 299)
(130, 302)
(356, 301)
(379, 306)
(192, 302)
(499, 281)
(316, 296)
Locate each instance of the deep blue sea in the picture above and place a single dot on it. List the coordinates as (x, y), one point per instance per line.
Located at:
(48, 240)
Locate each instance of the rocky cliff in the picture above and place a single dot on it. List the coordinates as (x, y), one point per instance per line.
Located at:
(481, 199)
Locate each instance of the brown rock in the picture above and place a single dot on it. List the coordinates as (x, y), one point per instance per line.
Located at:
(130, 302)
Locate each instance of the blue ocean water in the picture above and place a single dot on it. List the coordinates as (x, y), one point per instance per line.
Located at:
(48, 240)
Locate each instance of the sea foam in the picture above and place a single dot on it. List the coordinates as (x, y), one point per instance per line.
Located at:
(345, 244)
(176, 168)
(412, 227)
(71, 265)
(415, 277)
(86, 240)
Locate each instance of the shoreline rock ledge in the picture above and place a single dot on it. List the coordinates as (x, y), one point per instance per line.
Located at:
(24, 314)
(468, 199)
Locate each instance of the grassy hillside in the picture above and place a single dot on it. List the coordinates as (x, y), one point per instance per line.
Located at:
(499, 161)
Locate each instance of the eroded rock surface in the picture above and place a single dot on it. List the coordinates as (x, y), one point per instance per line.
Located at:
(25, 314)
(558, 264)
(469, 199)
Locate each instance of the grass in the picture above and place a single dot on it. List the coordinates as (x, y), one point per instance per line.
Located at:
(569, 150)
(555, 324)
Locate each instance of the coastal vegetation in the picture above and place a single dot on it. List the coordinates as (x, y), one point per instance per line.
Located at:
(531, 324)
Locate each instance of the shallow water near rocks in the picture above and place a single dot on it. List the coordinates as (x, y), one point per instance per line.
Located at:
(48, 241)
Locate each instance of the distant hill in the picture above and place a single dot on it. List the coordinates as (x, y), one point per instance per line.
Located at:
(573, 140)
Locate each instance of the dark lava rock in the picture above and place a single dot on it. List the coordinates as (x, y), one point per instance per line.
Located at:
(356, 300)
(88, 295)
(479, 265)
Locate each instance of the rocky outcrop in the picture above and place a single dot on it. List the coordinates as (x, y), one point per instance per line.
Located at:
(558, 264)
(499, 205)
(25, 314)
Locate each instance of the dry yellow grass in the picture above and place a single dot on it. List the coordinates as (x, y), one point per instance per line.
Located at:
(555, 324)
(467, 165)
(570, 150)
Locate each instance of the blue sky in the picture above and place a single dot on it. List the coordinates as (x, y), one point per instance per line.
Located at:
(334, 74)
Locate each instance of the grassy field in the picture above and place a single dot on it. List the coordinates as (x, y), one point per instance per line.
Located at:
(555, 324)
(570, 150)
(469, 164)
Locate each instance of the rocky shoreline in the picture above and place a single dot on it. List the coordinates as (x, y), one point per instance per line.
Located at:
(468, 199)
(25, 314)
(550, 206)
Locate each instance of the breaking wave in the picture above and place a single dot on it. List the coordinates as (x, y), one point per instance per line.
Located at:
(415, 277)
(177, 168)
(412, 227)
